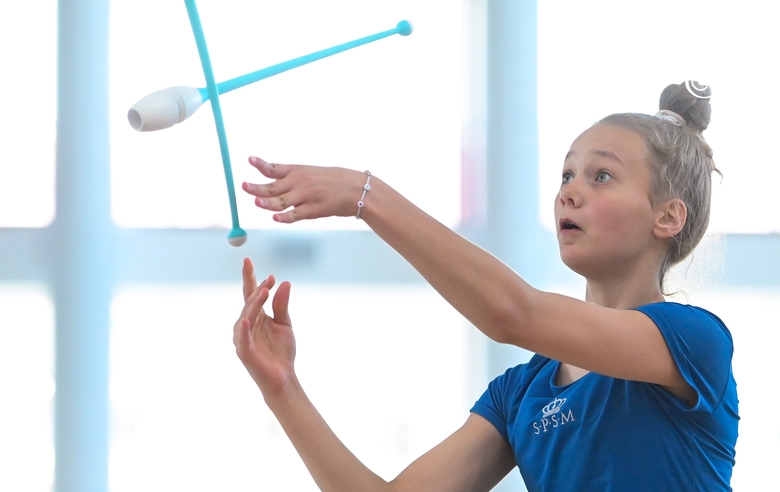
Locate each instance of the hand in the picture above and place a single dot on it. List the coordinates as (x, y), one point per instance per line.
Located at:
(311, 191)
(265, 345)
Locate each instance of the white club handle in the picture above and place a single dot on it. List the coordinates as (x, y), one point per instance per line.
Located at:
(165, 108)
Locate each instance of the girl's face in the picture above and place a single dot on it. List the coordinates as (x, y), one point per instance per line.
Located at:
(604, 213)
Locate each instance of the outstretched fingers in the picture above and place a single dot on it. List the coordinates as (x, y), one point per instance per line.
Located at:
(267, 190)
(270, 170)
(281, 304)
(301, 192)
(248, 275)
(278, 203)
(250, 281)
(249, 318)
(253, 310)
(275, 196)
(292, 205)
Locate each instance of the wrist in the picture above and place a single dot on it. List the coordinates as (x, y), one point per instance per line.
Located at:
(283, 396)
(366, 189)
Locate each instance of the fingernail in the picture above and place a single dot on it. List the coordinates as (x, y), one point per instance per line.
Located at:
(253, 160)
(260, 202)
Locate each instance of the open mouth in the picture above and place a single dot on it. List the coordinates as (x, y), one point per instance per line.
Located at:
(567, 225)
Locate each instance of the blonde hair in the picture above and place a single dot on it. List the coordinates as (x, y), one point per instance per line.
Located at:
(681, 158)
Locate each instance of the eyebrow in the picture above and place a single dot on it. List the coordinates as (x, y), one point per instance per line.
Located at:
(601, 153)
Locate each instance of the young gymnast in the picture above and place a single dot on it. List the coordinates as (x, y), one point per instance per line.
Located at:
(627, 392)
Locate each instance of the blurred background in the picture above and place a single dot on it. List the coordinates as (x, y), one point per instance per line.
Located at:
(118, 290)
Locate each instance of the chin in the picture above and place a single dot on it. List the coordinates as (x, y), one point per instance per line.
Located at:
(572, 261)
(585, 266)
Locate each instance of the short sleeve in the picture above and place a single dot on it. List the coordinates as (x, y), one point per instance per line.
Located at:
(499, 404)
(700, 345)
(492, 404)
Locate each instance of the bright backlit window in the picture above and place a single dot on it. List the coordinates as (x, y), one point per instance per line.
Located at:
(392, 106)
(28, 36)
(187, 415)
(751, 315)
(27, 386)
(607, 56)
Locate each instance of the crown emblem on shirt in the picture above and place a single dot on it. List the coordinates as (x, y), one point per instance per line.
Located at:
(553, 407)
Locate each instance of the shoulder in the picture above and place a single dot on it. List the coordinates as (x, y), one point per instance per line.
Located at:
(500, 401)
(676, 320)
(523, 373)
(675, 309)
(701, 346)
(508, 389)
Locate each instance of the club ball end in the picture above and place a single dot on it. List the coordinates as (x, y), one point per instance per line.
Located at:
(405, 28)
(237, 237)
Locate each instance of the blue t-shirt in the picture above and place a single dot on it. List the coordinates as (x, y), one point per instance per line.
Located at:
(605, 434)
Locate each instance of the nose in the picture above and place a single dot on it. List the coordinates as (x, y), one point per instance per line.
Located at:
(570, 193)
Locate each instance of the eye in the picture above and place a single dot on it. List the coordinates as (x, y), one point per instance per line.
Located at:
(567, 177)
(603, 177)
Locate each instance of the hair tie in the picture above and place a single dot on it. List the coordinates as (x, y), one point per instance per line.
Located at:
(672, 117)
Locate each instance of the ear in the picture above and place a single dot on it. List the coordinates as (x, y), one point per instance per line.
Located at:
(670, 219)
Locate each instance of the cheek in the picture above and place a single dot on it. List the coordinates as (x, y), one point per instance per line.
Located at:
(624, 219)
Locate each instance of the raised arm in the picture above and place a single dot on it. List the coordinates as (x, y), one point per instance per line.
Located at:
(615, 342)
(477, 284)
(474, 458)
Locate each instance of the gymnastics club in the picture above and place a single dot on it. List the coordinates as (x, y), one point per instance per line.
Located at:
(165, 108)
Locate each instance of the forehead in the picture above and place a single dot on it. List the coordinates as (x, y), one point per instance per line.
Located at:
(627, 145)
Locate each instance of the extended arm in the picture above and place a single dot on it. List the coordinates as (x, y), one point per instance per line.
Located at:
(473, 459)
(477, 284)
(620, 343)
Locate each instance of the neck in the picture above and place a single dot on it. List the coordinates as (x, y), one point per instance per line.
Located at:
(626, 291)
(617, 298)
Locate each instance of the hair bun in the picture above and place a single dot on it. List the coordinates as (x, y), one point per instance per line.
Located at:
(690, 100)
